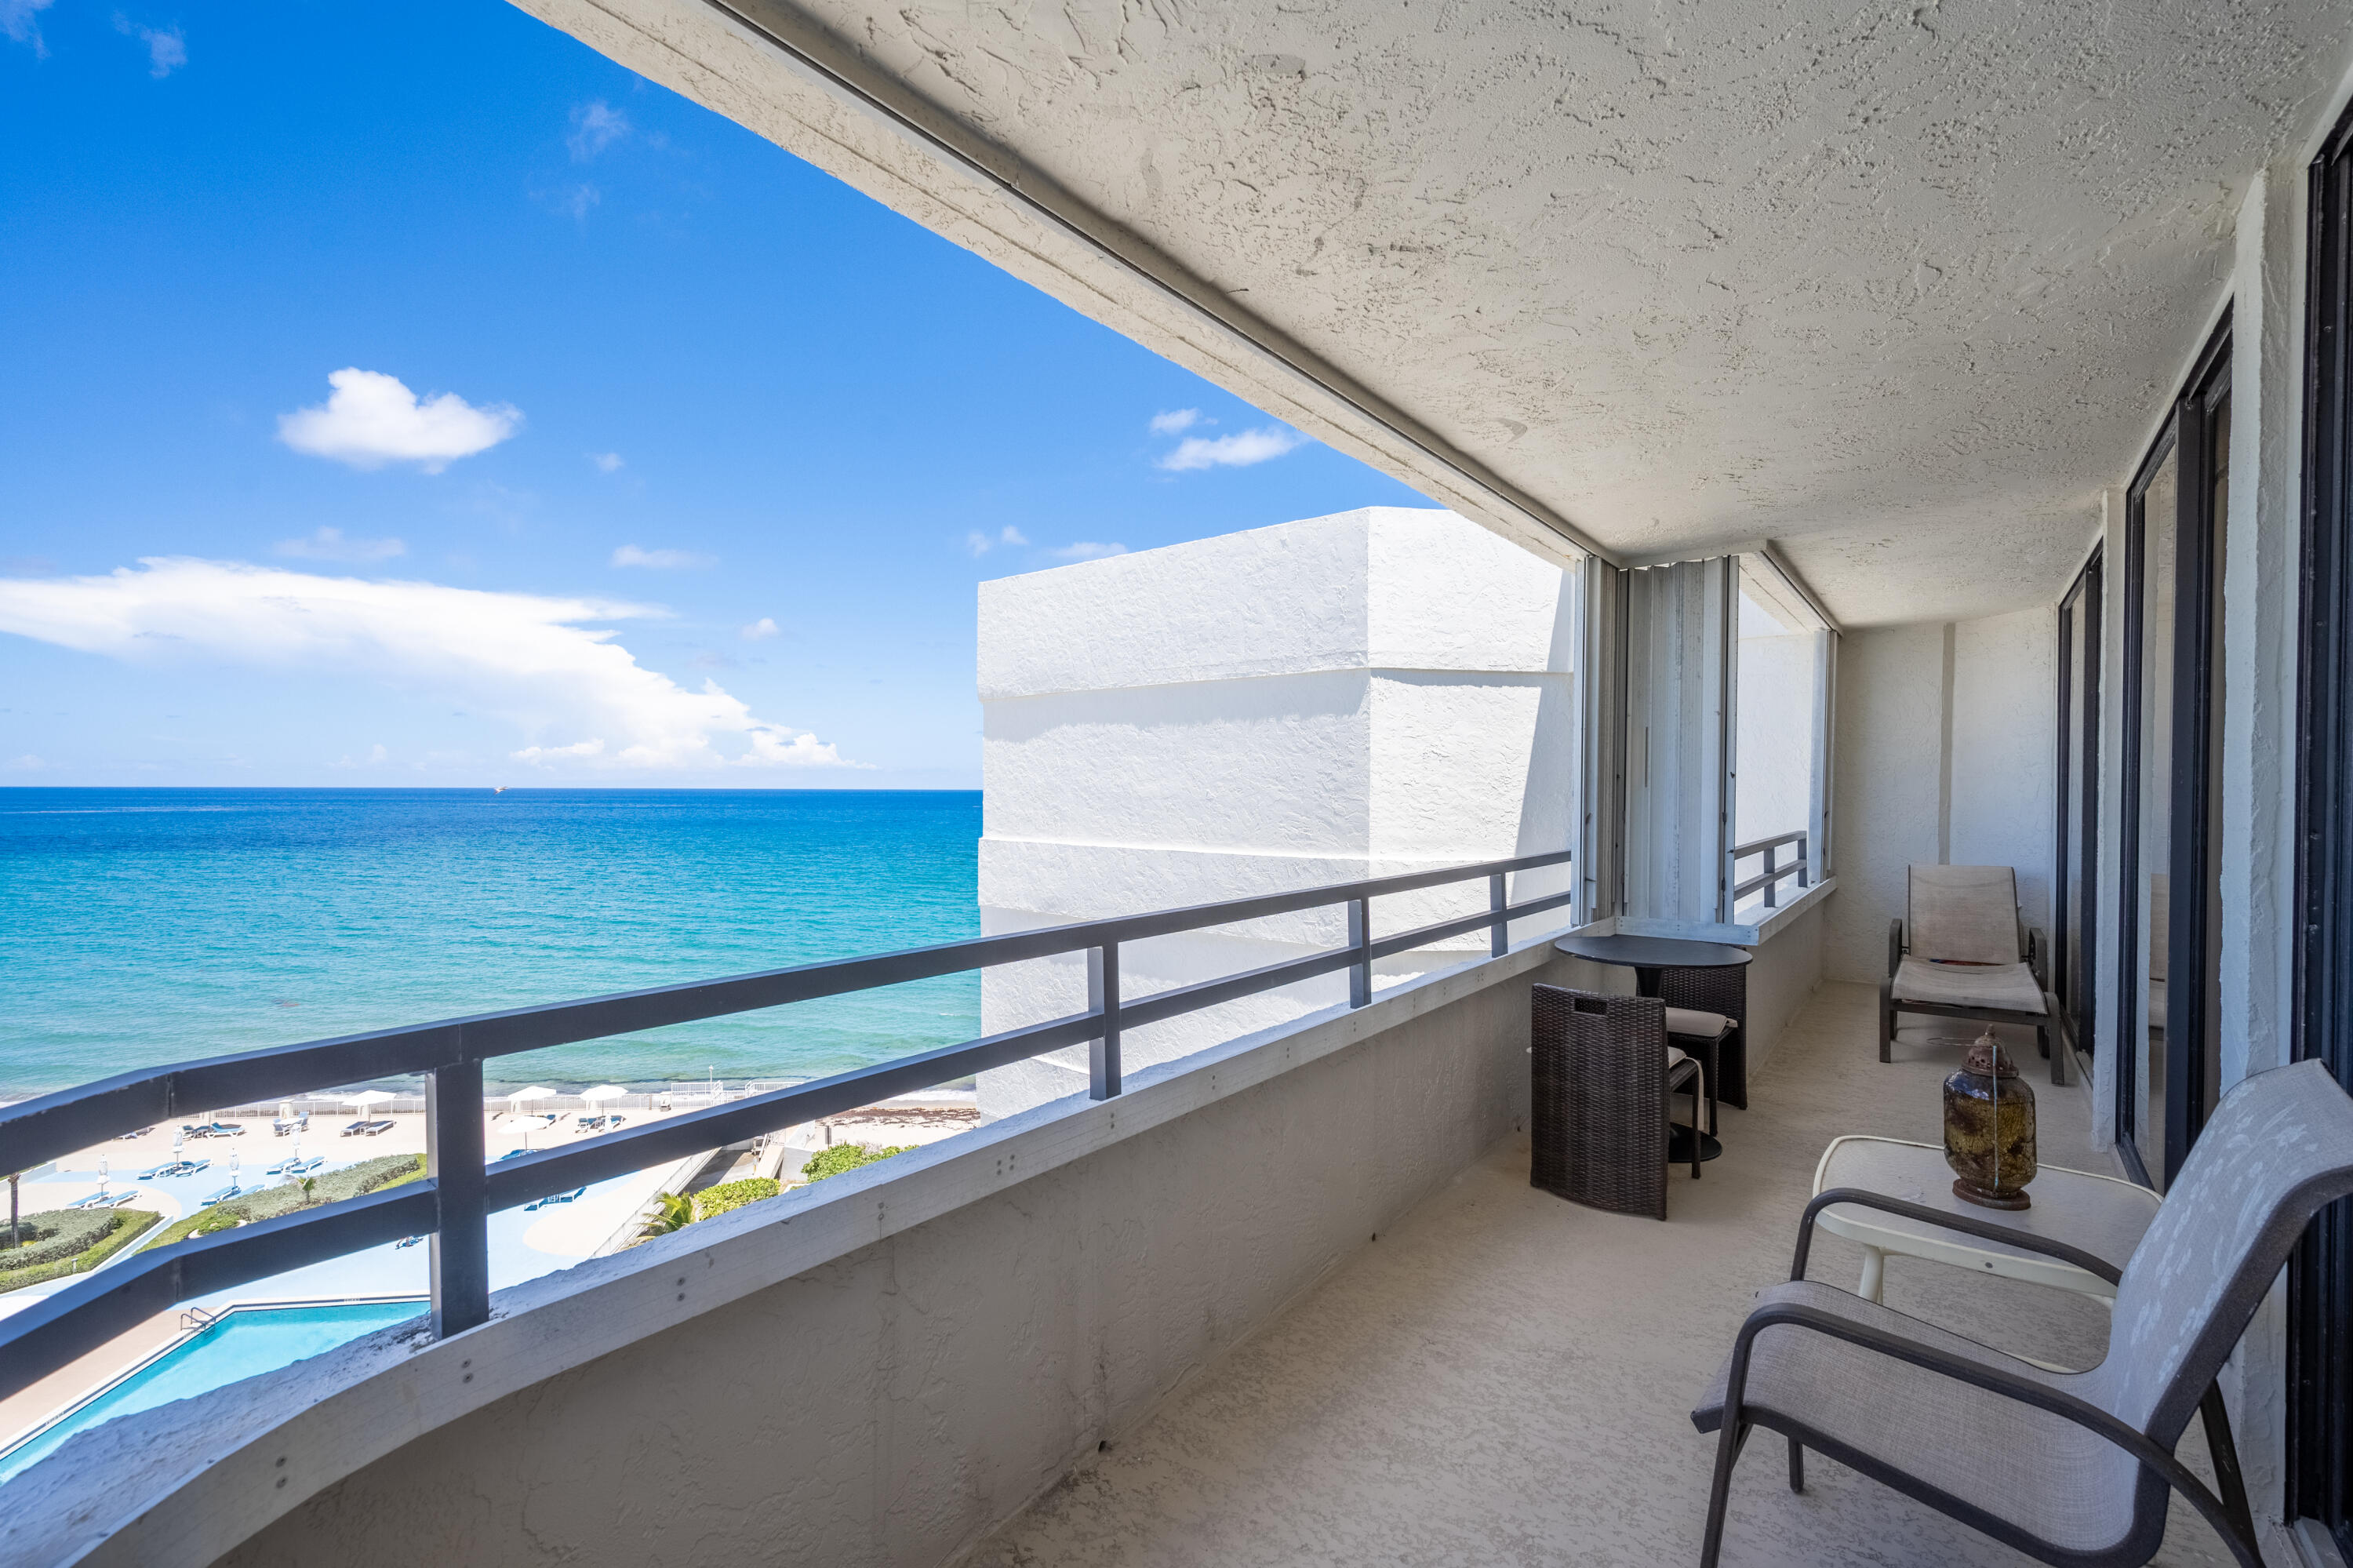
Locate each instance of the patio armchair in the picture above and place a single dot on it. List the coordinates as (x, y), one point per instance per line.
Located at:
(2072, 1467)
(1963, 951)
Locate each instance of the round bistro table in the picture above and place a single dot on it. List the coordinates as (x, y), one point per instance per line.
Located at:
(1646, 956)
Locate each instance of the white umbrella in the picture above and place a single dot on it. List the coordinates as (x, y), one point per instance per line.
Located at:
(367, 1098)
(521, 1097)
(602, 1093)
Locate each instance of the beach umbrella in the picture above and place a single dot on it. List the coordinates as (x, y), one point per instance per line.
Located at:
(603, 1092)
(367, 1098)
(285, 1110)
(522, 1097)
(101, 1172)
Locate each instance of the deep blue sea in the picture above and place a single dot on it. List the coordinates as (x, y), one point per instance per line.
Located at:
(142, 926)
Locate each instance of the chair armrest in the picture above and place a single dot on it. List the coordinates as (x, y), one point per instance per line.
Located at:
(1986, 1230)
(1894, 947)
(1994, 1379)
(2038, 956)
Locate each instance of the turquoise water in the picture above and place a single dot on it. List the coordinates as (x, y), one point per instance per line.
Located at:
(241, 1343)
(150, 926)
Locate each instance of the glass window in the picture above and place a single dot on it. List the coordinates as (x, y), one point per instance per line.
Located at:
(1778, 803)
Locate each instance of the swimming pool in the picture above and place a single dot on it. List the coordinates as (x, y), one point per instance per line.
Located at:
(240, 1344)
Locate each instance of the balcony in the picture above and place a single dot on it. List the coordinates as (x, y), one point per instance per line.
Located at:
(1501, 1377)
(1291, 1299)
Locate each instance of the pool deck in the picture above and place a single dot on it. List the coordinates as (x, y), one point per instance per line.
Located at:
(525, 1243)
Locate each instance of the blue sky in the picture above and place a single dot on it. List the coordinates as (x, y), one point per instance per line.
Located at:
(722, 436)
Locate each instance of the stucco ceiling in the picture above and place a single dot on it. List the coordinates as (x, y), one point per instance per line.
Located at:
(1898, 287)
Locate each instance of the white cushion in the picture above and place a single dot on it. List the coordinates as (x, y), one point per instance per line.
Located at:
(1692, 1021)
(2007, 986)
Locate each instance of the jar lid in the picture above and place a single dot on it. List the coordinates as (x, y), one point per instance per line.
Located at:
(1989, 1058)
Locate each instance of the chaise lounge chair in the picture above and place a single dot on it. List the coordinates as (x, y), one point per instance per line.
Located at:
(1962, 951)
(2071, 1468)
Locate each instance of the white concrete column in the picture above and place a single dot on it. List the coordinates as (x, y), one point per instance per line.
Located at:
(2261, 612)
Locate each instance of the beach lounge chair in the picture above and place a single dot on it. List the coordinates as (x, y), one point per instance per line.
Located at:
(555, 1198)
(118, 1198)
(375, 1128)
(91, 1201)
(591, 1123)
(226, 1130)
(225, 1193)
(355, 1130)
(1962, 950)
(407, 1242)
(169, 1168)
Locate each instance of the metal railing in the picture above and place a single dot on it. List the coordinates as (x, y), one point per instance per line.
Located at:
(1770, 878)
(452, 1203)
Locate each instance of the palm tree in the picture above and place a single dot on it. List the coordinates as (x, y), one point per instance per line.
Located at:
(675, 1213)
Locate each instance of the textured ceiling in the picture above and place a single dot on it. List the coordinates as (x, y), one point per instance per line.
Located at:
(1899, 287)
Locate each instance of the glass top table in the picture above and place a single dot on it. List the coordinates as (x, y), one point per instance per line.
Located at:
(1646, 956)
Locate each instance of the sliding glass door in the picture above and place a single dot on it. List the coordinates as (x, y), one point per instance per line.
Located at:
(2075, 954)
(2168, 970)
(2320, 1278)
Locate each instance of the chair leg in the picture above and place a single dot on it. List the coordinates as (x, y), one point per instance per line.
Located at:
(2056, 1049)
(1886, 1028)
(1796, 1466)
(2216, 1418)
(1719, 1492)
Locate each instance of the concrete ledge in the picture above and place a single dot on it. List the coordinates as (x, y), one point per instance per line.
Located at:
(189, 1482)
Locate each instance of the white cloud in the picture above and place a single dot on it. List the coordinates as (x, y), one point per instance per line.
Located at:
(630, 555)
(167, 49)
(577, 698)
(761, 629)
(595, 127)
(29, 763)
(1175, 421)
(376, 758)
(980, 543)
(606, 463)
(18, 19)
(1087, 550)
(328, 545)
(577, 202)
(1239, 450)
(371, 419)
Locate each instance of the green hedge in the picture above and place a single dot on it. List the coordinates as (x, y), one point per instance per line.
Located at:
(844, 1157)
(351, 1182)
(124, 1226)
(54, 1235)
(729, 1195)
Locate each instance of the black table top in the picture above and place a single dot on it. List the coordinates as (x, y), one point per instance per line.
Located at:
(1655, 952)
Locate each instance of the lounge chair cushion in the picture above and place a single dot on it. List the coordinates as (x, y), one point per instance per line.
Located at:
(1700, 1025)
(2039, 1471)
(1965, 912)
(2010, 986)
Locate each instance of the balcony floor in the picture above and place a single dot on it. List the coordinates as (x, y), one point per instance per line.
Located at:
(1505, 1378)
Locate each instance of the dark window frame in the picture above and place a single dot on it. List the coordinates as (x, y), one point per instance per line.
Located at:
(2197, 599)
(2081, 615)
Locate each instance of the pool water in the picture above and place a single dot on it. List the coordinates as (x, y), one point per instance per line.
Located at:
(242, 1342)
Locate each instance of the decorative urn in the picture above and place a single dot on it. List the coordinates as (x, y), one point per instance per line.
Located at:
(1989, 1127)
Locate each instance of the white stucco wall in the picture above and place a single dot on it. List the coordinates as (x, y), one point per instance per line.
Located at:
(1944, 755)
(1375, 692)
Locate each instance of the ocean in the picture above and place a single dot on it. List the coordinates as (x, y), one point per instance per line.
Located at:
(144, 927)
